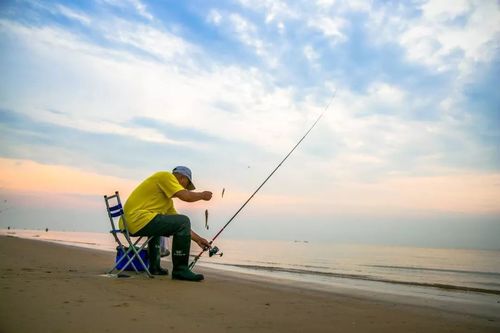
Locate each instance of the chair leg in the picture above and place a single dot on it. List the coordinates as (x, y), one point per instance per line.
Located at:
(126, 254)
(139, 257)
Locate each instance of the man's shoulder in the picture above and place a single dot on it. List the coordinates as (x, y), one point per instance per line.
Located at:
(165, 178)
(162, 174)
(167, 182)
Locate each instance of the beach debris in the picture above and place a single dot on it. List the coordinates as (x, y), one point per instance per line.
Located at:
(223, 190)
(206, 219)
(120, 305)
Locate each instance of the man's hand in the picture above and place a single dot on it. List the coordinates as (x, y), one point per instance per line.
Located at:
(203, 243)
(206, 195)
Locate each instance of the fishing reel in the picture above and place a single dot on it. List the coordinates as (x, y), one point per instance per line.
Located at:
(214, 251)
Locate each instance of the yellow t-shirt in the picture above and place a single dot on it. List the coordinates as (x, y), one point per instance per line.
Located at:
(152, 197)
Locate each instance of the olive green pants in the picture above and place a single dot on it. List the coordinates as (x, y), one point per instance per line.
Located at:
(164, 225)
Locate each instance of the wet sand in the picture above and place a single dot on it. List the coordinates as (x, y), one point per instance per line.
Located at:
(47, 287)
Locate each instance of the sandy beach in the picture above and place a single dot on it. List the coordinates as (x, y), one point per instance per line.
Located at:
(49, 287)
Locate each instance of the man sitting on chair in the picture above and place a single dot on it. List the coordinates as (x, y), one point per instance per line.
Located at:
(149, 211)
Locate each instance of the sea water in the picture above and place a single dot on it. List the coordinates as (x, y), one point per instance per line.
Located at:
(368, 266)
(453, 269)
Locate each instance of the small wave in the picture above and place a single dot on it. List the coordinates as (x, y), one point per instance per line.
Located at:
(436, 270)
(365, 277)
(276, 263)
(68, 241)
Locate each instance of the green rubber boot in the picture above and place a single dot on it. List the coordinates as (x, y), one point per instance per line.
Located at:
(180, 260)
(154, 257)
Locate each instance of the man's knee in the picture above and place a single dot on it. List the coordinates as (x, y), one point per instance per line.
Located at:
(184, 223)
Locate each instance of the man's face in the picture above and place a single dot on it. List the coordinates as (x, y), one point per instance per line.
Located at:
(184, 181)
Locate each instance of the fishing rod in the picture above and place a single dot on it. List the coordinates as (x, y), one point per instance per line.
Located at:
(214, 250)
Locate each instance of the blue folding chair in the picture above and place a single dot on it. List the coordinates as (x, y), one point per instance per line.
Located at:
(128, 255)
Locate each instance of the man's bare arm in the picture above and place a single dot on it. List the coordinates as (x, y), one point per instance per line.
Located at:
(190, 196)
(202, 242)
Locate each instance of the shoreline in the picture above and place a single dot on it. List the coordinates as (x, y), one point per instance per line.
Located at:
(311, 274)
(55, 287)
(461, 302)
(365, 278)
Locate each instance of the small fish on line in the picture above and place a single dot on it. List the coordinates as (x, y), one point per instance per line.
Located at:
(206, 219)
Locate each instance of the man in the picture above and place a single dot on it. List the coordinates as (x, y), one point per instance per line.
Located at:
(164, 251)
(149, 211)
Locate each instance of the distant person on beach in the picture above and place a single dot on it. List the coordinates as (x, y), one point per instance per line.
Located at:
(149, 211)
(164, 251)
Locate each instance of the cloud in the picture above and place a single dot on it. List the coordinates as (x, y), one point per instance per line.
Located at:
(141, 8)
(109, 153)
(281, 28)
(345, 5)
(331, 28)
(62, 10)
(72, 14)
(214, 17)
(246, 32)
(161, 44)
(446, 36)
(137, 5)
(311, 55)
(379, 132)
(274, 13)
(105, 89)
(445, 10)
(272, 9)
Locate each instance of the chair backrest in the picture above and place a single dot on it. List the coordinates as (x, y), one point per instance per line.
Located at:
(115, 211)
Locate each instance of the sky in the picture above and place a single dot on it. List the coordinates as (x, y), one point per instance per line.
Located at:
(97, 95)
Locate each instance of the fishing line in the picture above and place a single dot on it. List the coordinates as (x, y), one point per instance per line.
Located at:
(214, 250)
